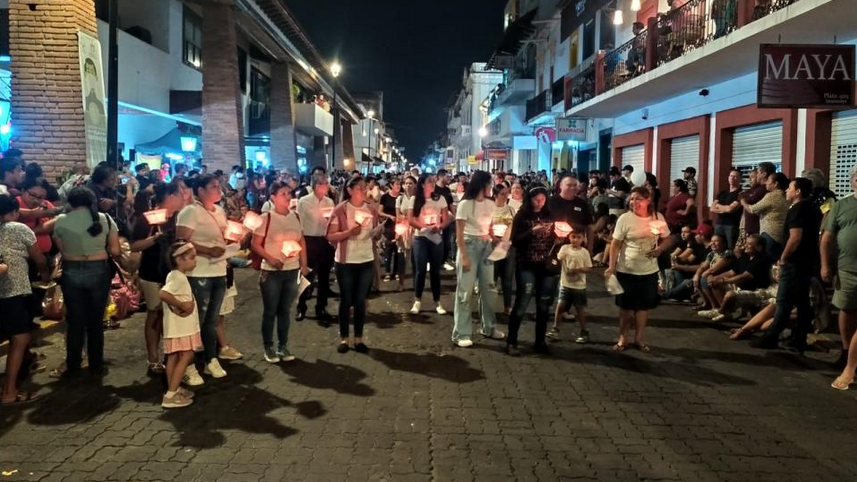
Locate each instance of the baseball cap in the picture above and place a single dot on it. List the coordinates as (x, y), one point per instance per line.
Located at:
(704, 229)
(628, 168)
(691, 170)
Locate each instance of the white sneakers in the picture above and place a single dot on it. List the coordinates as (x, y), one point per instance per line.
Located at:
(708, 313)
(191, 377)
(496, 335)
(214, 369)
(415, 310)
(448, 266)
(440, 310)
(464, 343)
(229, 353)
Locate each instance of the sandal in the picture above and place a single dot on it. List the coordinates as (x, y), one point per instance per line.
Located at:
(22, 398)
(156, 368)
(839, 384)
(619, 347)
(643, 348)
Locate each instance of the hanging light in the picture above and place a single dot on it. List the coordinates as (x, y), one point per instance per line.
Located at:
(617, 17)
(635, 5)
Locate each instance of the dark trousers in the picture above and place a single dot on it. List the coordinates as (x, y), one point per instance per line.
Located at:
(504, 271)
(394, 261)
(793, 292)
(354, 283)
(86, 287)
(449, 241)
(319, 261)
(426, 252)
(532, 284)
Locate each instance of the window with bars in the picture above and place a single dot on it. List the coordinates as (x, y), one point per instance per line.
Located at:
(192, 39)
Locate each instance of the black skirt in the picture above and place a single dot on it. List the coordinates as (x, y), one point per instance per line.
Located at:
(641, 291)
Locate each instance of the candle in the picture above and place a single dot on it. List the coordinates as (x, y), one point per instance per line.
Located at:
(326, 212)
(156, 216)
(562, 229)
(252, 221)
(401, 229)
(293, 204)
(363, 218)
(500, 230)
(658, 227)
(234, 231)
(291, 249)
(430, 219)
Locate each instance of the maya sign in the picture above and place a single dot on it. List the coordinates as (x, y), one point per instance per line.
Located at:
(806, 76)
(571, 130)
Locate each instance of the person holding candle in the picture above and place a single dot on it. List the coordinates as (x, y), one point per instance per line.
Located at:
(474, 241)
(429, 216)
(153, 240)
(204, 224)
(314, 211)
(387, 210)
(501, 224)
(534, 241)
(352, 228)
(280, 243)
(405, 240)
(637, 243)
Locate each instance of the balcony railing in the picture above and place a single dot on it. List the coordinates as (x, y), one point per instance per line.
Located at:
(625, 62)
(669, 36)
(558, 91)
(583, 86)
(537, 105)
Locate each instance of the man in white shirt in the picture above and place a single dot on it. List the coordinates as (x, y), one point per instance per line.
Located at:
(236, 180)
(314, 210)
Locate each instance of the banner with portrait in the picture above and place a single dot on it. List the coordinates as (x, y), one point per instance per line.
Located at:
(92, 88)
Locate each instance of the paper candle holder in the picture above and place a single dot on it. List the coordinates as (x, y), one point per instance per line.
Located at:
(430, 219)
(234, 231)
(293, 204)
(252, 221)
(362, 218)
(401, 229)
(291, 249)
(658, 227)
(156, 216)
(562, 229)
(500, 230)
(326, 212)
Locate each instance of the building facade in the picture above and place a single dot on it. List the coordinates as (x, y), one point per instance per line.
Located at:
(466, 118)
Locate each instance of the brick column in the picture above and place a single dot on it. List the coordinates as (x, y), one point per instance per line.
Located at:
(283, 142)
(318, 157)
(47, 104)
(347, 145)
(222, 112)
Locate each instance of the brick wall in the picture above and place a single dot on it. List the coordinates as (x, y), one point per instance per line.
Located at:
(222, 115)
(47, 104)
(283, 142)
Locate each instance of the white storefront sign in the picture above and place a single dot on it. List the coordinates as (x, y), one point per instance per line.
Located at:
(571, 130)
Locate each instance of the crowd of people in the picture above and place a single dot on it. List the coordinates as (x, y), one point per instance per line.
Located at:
(175, 235)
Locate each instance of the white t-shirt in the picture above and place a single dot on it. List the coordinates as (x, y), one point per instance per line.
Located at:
(573, 259)
(430, 208)
(636, 234)
(175, 326)
(477, 216)
(404, 202)
(359, 247)
(281, 229)
(208, 228)
(515, 204)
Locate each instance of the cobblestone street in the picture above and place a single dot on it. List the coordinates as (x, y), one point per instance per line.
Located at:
(698, 408)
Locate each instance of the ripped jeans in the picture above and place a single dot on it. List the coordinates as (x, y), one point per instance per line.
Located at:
(533, 283)
(481, 272)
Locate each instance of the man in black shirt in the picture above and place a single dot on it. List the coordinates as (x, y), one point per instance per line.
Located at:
(728, 209)
(568, 206)
(619, 189)
(798, 264)
(142, 170)
(752, 273)
(442, 188)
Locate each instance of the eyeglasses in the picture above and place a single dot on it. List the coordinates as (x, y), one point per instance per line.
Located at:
(35, 196)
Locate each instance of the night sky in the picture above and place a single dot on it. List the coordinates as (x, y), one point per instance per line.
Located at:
(414, 51)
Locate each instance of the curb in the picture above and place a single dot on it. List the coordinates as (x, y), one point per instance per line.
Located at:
(46, 328)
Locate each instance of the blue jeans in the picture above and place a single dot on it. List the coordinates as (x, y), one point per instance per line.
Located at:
(427, 252)
(279, 291)
(354, 283)
(533, 283)
(86, 288)
(792, 292)
(682, 286)
(209, 294)
(481, 272)
(772, 248)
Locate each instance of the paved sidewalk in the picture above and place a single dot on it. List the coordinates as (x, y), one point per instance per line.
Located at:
(698, 408)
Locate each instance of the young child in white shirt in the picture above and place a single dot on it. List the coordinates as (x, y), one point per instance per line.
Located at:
(181, 323)
(576, 262)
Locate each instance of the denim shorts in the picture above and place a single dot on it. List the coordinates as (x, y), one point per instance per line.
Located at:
(573, 297)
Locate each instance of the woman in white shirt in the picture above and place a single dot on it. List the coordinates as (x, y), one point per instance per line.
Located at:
(640, 236)
(282, 266)
(428, 216)
(504, 269)
(405, 242)
(474, 239)
(517, 197)
(352, 228)
(203, 224)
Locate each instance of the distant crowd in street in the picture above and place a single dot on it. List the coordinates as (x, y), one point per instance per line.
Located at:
(169, 238)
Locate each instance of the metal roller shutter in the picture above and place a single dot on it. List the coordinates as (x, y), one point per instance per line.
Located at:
(843, 151)
(635, 156)
(758, 143)
(684, 153)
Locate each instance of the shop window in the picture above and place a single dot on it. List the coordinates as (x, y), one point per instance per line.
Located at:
(588, 38)
(192, 39)
(242, 70)
(260, 98)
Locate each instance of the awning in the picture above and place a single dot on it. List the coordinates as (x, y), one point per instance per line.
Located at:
(171, 142)
(518, 31)
(365, 158)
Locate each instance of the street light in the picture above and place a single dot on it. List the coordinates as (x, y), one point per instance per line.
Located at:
(335, 70)
(483, 132)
